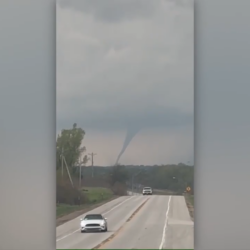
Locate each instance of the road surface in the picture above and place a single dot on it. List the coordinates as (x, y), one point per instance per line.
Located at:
(134, 222)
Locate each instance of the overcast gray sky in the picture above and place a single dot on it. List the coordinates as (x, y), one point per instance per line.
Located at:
(128, 65)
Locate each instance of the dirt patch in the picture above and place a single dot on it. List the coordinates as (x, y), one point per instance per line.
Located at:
(75, 214)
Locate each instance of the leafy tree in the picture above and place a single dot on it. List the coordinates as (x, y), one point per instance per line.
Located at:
(118, 174)
(171, 177)
(69, 143)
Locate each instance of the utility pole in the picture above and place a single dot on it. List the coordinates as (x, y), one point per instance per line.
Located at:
(62, 162)
(80, 177)
(92, 163)
(68, 171)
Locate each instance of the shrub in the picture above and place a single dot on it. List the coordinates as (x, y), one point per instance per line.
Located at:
(66, 194)
(119, 189)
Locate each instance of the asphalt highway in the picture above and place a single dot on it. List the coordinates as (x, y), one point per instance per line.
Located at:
(134, 222)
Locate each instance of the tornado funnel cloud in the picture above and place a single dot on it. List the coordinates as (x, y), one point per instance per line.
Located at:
(129, 136)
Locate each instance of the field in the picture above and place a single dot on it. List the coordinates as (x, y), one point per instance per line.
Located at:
(94, 195)
(97, 194)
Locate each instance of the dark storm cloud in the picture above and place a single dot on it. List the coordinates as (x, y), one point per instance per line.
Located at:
(113, 10)
(126, 65)
(115, 77)
(153, 117)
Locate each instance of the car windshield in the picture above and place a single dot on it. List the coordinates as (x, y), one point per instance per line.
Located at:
(93, 217)
(147, 188)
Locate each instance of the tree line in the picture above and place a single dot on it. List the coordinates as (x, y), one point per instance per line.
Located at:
(71, 154)
(172, 177)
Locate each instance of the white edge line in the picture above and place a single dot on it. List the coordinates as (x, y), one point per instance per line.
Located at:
(165, 226)
(67, 235)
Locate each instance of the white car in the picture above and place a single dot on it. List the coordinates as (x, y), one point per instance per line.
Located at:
(147, 191)
(94, 222)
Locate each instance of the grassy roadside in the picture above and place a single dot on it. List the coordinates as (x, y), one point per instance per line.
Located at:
(190, 204)
(64, 209)
(163, 192)
(190, 199)
(95, 196)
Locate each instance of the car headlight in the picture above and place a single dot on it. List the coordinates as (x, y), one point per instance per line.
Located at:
(102, 223)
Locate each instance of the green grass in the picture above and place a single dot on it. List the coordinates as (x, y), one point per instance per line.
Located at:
(191, 199)
(97, 194)
(162, 192)
(64, 209)
(94, 195)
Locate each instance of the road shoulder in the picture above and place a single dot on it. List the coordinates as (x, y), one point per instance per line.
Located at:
(180, 226)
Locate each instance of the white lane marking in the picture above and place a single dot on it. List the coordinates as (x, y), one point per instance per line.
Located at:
(165, 226)
(67, 235)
